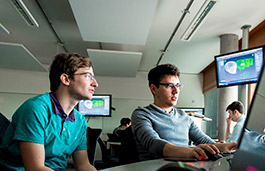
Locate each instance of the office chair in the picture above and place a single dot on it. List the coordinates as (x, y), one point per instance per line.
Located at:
(4, 122)
(107, 160)
(129, 153)
(92, 139)
(113, 137)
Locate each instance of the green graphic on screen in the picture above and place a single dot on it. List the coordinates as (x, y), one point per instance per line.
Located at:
(244, 63)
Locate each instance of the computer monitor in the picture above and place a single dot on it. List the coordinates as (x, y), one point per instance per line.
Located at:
(240, 67)
(250, 155)
(193, 111)
(99, 105)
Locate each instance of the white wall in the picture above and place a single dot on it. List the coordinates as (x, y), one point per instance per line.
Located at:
(16, 86)
(128, 93)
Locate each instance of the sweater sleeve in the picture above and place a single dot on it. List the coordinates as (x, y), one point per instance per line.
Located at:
(198, 136)
(144, 133)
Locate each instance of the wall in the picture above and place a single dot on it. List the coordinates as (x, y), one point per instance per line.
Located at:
(211, 101)
(16, 86)
(128, 93)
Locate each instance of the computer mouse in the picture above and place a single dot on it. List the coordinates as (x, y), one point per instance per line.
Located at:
(179, 166)
(212, 157)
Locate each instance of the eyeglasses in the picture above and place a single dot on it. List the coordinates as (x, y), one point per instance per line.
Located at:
(171, 85)
(88, 75)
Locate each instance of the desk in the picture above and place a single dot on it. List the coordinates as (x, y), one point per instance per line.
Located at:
(112, 143)
(151, 165)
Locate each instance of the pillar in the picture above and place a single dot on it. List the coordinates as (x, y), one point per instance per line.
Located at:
(244, 88)
(229, 43)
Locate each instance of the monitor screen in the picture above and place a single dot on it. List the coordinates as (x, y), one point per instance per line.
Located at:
(99, 105)
(193, 111)
(241, 67)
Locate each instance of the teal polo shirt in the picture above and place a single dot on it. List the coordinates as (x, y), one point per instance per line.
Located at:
(42, 120)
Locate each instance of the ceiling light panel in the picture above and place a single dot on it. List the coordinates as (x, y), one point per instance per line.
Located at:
(3, 29)
(198, 19)
(16, 56)
(115, 63)
(114, 21)
(24, 12)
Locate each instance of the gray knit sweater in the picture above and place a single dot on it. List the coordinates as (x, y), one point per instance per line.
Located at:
(153, 127)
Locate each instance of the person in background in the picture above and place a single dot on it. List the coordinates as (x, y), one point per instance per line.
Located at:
(124, 123)
(236, 114)
(163, 131)
(47, 129)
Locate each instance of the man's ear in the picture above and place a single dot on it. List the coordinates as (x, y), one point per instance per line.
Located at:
(65, 80)
(153, 88)
(236, 111)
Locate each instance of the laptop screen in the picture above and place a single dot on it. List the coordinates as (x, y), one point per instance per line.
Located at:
(250, 155)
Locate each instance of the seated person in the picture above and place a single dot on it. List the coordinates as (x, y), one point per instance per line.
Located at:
(125, 123)
(46, 129)
(236, 114)
(161, 130)
(254, 141)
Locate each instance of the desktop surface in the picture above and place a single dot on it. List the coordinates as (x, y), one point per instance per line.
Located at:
(221, 164)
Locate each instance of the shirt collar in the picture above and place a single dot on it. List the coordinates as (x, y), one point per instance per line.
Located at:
(241, 118)
(58, 108)
(158, 108)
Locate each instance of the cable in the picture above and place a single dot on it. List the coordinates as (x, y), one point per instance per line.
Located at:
(175, 30)
(60, 42)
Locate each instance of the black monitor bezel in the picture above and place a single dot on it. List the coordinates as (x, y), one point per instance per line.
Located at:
(239, 51)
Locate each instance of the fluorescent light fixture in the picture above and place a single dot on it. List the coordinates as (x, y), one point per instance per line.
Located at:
(198, 19)
(25, 13)
(3, 29)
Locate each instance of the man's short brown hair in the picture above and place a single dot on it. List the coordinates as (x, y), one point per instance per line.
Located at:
(236, 105)
(67, 63)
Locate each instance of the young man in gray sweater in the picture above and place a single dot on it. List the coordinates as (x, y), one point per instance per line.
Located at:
(161, 130)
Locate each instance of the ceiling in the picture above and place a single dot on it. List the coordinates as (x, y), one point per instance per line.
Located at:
(121, 36)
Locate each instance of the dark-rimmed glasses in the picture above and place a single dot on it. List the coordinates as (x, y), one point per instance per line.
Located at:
(171, 85)
(88, 75)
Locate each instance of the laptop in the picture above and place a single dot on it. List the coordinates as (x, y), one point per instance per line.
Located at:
(250, 155)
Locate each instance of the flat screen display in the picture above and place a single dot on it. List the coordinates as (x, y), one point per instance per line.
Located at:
(99, 105)
(241, 67)
(193, 111)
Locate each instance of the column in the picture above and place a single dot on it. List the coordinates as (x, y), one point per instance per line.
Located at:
(229, 43)
(244, 88)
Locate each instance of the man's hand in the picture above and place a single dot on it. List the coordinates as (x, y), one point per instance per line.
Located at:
(226, 147)
(202, 147)
(228, 120)
(173, 151)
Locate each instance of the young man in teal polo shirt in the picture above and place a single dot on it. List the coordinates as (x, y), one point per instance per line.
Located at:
(46, 129)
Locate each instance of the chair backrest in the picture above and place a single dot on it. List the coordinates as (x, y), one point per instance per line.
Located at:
(92, 139)
(4, 122)
(129, 153)
(113, 137)
(104, 151)
(107, 160)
